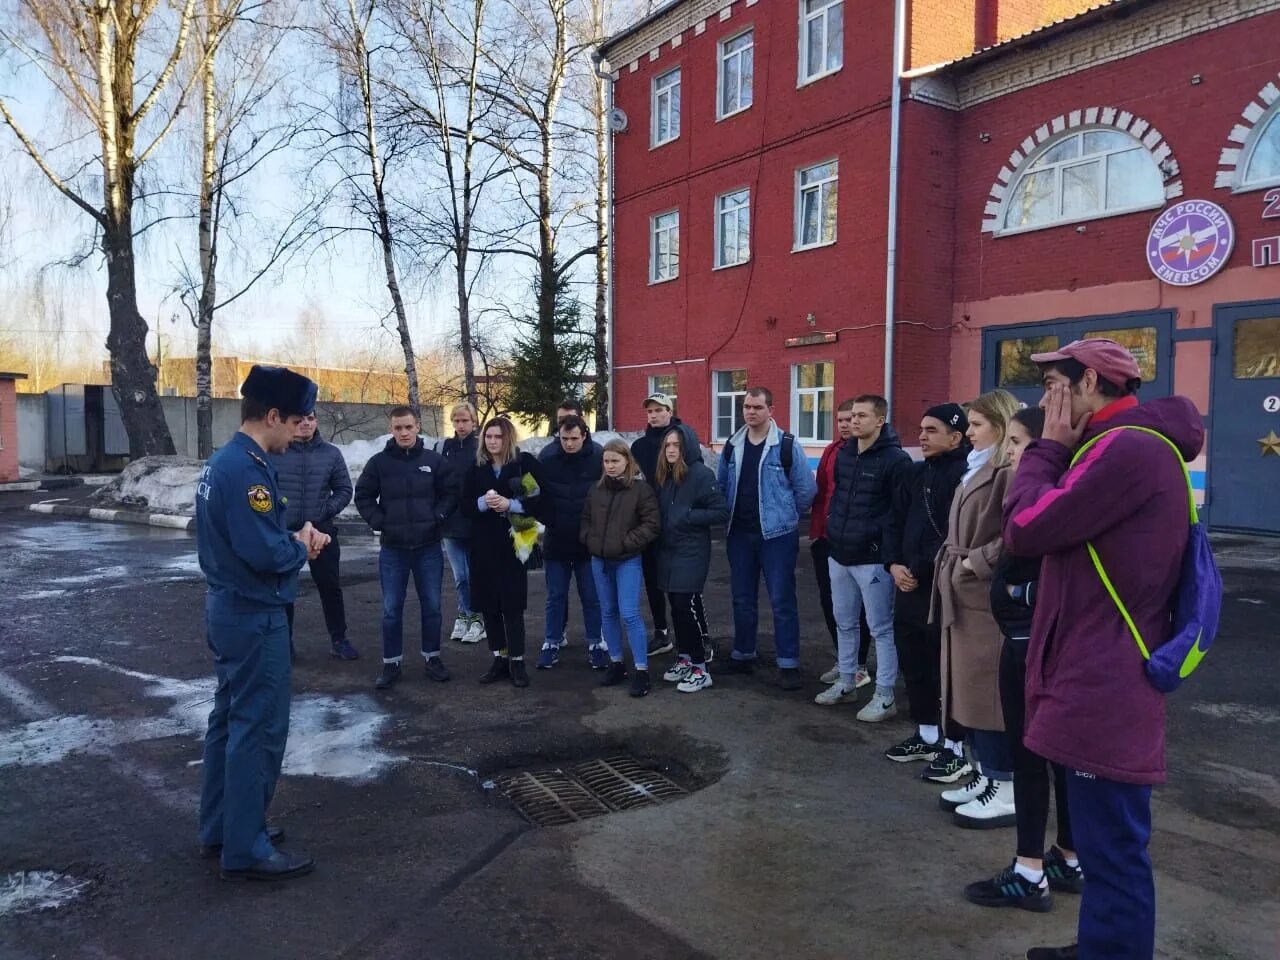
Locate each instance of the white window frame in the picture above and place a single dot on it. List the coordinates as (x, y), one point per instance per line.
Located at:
(798, 243)
(746, 54)
(797, 391)
(735, 418)
(653, 246)
(805, 77)
(1024, 169)
(1272, 116)
(719, 216)
(655, 388)
(658, 90)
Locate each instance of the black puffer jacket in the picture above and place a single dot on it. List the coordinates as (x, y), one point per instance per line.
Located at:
(1013, 594)
(689, 511)
(407, 495)
(314, 482)
(862, 525)
(460, 455)
(924, 507)
(646, 448)
(566, 479)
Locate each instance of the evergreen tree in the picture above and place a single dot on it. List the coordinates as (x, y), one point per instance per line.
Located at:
(548, 363)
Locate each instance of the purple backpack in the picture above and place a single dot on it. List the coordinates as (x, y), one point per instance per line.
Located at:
(1197, 602)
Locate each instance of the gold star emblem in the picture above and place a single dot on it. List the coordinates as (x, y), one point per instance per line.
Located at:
(1270, 444)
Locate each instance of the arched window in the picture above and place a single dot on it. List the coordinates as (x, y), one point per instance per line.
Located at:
(1082, 175)
(1262, 153)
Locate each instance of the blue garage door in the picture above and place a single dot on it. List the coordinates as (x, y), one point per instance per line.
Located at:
(1244, 438)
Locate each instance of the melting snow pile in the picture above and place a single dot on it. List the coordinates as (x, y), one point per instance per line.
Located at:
(31, 890)
(155, 485)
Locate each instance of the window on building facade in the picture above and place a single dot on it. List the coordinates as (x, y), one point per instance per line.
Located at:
(729, 387)
(1086, 174)
(1014, 365)
(821, 38)
(812, 401)
(666, 108)
(1262, 159)
(733, 228)
(664, 384)
(816, 189)
(1257, 349)
(1142, 342)
(736, 68)
(664, 247)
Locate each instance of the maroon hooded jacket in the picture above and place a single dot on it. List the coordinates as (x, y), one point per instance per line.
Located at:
(1090, 706)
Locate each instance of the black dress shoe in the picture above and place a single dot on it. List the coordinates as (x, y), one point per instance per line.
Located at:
(519, 676)
(498, 670)
(640, 683)
(436, 670)
(390, 674)
(209, 851)
(789, 678)
(279, 866)
(614, 674)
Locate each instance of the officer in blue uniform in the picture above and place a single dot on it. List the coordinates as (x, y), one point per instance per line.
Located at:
(251, 562)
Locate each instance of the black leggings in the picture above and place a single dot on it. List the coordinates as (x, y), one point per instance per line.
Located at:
(657, 599)
(690, 621)
(1031, 772)
(505, 631)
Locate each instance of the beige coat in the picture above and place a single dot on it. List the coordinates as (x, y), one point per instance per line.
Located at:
(971, 639)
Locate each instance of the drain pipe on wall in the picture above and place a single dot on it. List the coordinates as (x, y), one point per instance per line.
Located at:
(597, 64)
(891, 253)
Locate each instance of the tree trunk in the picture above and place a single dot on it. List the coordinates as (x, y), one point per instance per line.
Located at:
(464, 330)
(601, 338)
(208, 250)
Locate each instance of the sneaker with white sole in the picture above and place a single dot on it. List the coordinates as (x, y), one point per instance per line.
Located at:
(598, 655)
(695, 681)
(880, 708)
(836, 693)
(476, 632)
(832, 675)
(861, 678)
(915, 747)
(947, 767)
(679, 670)
(460, 626)
(992, 808)
(660, 643)
(1009, 888)
(959, 796)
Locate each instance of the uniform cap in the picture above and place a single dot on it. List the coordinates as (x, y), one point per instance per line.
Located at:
(280, 388)
(661, 399)
(1111, 361)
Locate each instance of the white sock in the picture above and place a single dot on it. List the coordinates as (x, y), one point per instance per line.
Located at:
(955, 747)
(929, 733)
(1035, 876)
(1073, 862)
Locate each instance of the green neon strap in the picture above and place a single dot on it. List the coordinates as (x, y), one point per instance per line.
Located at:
(1093, 554)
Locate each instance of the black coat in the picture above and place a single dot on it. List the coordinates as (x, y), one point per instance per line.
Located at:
(566, 479)
(460, 455)
(689, 511)
(1013, 611)
(407, 495)
(862, 525)
(498, 579)
(646, 448)
(314, 483)
(924, 507)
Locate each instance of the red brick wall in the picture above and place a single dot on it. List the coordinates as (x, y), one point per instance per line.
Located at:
(8, 432)
(943, 30)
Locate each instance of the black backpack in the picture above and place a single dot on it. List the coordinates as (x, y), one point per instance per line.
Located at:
(786, 453)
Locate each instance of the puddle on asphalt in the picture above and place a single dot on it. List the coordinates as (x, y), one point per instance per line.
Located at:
(29, 891)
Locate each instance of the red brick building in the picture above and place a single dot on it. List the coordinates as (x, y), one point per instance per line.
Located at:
(1042, 143)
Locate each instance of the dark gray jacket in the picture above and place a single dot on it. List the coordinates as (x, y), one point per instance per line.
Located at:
(689, 511)
(314, 482)
(460, 455)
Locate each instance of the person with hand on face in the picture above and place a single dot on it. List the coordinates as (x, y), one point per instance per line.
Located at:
(924, 505)
(251, 562)
(619, 520)
(406, 494)
(499, 494)
(459, 452)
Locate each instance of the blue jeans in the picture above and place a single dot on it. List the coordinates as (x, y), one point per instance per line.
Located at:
(749, 556)
(248, 727)
(618, 585)
(558, 574)
(866, 587)
(456, 550)
(991, 747)
(394, 566)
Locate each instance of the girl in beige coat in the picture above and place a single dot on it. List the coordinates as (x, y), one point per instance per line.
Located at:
(971, 640)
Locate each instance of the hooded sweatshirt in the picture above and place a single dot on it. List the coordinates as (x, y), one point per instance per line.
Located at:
(1090, 706)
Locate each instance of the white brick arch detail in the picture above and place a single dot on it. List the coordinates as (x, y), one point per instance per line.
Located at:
(1088, 117)
(1233, 156)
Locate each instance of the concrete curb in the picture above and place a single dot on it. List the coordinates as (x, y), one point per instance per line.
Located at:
(116, 516)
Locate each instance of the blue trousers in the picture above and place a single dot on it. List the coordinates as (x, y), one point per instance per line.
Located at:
(394, 566)
(749, 556)
(1111, 826)
(248, 727)
(557, 611)
(618, 584)
(456, 550)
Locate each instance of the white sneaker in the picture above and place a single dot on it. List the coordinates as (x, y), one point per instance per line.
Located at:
(460, 625)
(695, 681)
(993, 807)
(832, 675)
(958, 796)
(836, 693)
(861, 678)
(678, 671)
(476, 632)
(880, 708)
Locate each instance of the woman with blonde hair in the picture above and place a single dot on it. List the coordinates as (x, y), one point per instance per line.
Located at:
(971, 639)
(619, 519)
(497, 497)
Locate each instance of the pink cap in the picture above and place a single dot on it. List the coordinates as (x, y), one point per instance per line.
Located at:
(1111, 361)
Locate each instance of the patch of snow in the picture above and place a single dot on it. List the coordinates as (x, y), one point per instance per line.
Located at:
(27, 473)
(41, 594)
(96, 575)
(29, 891)
(1240, 712)
(155, 485)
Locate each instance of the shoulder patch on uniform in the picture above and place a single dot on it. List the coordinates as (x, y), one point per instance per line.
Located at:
(260, 498)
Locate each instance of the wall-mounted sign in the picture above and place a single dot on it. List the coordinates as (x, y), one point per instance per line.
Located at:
(1190, 242)
(811, 339)
(1271, 404)
(1271, 205)
(1266, 252)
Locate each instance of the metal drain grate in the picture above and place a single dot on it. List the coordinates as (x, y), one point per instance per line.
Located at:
(553, 798)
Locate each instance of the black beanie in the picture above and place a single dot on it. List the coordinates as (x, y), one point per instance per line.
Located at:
(280, 388)
(951, 414)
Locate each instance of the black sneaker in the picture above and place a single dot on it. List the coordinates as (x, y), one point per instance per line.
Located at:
(1063, 877)
(390, 674)
(660, 643)
(614, 674)
(640, 683)
(740, 666)
(1071, 952)
(436, 670)
(343, 650)
(498, 670)
(914, 748)
(946, 767)
(1010, 889)
(789, 678)
(519, 676)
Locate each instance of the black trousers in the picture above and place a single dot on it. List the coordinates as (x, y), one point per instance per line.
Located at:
(1031, 772)
(505, 630)
(820, 551)
(690, 621)
(324, 574)
(657, 599)
(920, 659)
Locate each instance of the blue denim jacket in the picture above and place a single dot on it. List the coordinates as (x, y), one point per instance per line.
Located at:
(782, 498)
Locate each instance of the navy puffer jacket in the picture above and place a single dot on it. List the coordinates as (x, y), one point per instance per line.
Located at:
(314, 482)
(460, 455)
(565, 480)
(407, 495)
